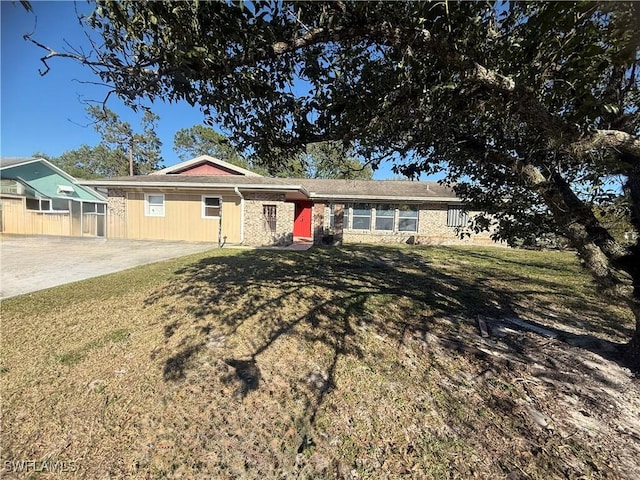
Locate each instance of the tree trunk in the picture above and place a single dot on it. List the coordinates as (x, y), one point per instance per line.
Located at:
(633, 188)
(632, 353)
(610, 263)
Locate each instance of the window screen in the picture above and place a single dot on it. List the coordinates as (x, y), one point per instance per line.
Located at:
(154, 205)
(361, 216)
(407, 218)
(384, 217)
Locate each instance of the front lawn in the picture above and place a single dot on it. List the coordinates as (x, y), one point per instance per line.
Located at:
(354, 362)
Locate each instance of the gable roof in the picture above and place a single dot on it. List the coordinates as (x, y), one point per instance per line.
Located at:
(393, 190)
(205, 159)
(45, 179)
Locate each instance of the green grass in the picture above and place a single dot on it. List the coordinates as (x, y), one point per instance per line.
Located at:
(335, 362)
(78, 354)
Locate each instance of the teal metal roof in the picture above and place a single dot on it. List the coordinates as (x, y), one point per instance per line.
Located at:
(46, 179)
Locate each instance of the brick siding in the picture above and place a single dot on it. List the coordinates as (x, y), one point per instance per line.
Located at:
(256, 228)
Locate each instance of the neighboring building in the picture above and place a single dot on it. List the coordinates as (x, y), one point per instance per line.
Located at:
(207, 199)
(36, 197)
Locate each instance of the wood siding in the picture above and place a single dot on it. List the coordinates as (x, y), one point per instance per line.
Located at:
(90, 224)
(17, 219)
(183, 218)
(116, 226)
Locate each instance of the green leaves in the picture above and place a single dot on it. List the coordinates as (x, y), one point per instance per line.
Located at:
(469, 85)
(119, 136)
(199, 140)
(331, 160)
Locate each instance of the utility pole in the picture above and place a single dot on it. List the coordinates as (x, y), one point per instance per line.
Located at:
(131, 157)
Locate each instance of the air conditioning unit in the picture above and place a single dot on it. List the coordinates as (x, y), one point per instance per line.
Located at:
(66, 189)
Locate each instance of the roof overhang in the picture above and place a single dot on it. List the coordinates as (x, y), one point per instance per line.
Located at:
(24, 161)
(251, 187)
(390, 198)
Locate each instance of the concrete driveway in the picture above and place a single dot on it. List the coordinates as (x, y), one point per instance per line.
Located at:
(34, 263)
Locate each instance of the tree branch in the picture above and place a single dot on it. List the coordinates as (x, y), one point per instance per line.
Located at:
(595, 245)
(53, 54)
(611, 139)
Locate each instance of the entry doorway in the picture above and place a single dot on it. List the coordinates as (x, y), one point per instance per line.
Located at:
(302, 220)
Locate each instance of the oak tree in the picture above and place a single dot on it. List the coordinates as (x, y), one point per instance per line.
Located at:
(531, 108)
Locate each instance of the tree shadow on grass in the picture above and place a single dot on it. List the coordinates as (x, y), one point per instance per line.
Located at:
(546, 291)
(323, 294)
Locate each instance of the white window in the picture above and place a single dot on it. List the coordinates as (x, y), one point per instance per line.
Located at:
(456, 217)
(361, 216)
(211, 207)
(385, 215)
(10, 186)
(407, 218)
(154, 204)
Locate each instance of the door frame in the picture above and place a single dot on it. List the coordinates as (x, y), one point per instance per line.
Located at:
(305, 208)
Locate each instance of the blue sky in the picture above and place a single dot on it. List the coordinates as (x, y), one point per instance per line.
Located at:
(46, 113)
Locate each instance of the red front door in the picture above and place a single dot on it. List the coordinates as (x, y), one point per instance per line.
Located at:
(302, 220)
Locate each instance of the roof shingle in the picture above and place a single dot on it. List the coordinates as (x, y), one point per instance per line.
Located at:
(374, 188)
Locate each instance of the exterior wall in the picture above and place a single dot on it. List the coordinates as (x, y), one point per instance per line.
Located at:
(257, 231)
(183, 219)
(432, 230)
(17, 219)
(323, 233)
(93, 225)
(317, 222)
(117, 214)
(13, 215)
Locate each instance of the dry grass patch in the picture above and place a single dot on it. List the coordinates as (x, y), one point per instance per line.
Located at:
(355, 362)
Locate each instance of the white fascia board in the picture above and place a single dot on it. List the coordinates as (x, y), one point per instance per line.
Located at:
(315, 196)
(160, 184)
(25, 162)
